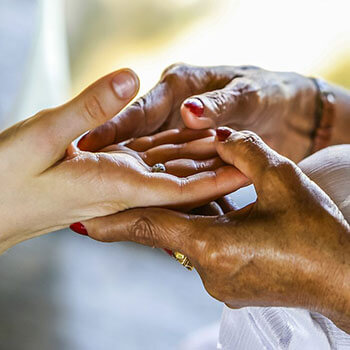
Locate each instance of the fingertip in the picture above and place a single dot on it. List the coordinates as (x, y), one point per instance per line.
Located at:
(195, 106)
(83, 142)
(192, 121)
(223, 133)
(90, 142)
(125, 83)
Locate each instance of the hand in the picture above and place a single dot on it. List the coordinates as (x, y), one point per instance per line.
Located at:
(289, 248)
(278, 106)
(47, 183)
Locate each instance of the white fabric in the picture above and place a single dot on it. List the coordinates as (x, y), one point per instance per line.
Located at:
(287, 328)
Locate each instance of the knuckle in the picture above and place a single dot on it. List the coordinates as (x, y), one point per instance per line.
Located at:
(183, 185)
(281, 166)
(93, 110)
(181, 77)
(176, 69)
(45, 132)
(140, 107)
(220, 101)
(200, 165)
(209, 252)
(142, 231)
(279, 173)
(248, 97)
(247, 141)
(139, 104)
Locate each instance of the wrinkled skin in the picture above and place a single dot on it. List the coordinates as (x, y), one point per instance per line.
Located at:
(289, 248)
(278, 106)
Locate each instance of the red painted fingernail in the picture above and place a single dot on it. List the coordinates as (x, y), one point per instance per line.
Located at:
(78, 227)
(223, 133)
(80, 142)
(195, 106)
(168, 251)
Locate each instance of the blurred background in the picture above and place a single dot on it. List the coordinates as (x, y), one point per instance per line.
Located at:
(64, 291)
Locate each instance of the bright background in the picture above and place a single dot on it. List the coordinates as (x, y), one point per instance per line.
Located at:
(310, 37)
(64, 291)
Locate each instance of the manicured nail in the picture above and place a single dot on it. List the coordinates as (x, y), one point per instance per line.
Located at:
(223, 133)
(125, 84)
(78, 227)
(80, 142)
(195, 106)
(168, 251)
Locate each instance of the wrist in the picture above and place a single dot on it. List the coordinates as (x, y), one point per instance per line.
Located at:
(330, 280)
(334, 300)
(302, 103)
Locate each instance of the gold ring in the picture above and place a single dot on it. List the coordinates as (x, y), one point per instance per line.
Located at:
(183, 260)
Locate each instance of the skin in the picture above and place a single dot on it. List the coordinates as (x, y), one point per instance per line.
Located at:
(278, 106)
(50, 183)
(289, 248)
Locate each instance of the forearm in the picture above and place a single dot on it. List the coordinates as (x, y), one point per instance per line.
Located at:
(301, 113)
(330, 170)
(334, 299)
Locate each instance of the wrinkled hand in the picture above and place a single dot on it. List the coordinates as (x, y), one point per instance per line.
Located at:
(290, 248)
(278, 106)
(47, 183)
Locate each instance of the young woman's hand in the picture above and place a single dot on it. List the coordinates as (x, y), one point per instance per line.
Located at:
(47, 183)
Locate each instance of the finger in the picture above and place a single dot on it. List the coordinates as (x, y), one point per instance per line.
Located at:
(187, 167)
(198, 149)
(173, 136)
(151, 111)
(152, 227)
(47, 135)
(250, 155)
(235, 105)
(189, 192)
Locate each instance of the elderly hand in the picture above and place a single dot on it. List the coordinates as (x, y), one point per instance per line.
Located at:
(278, 106)
(47, 183)
(290, 248)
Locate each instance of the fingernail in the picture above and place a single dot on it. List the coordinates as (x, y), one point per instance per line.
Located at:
(80, 142)
(195, 106)
(223, 133)
(168, 251)
(125, 84)
(78, 227)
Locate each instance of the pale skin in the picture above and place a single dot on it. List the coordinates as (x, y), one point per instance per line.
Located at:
(47, 183)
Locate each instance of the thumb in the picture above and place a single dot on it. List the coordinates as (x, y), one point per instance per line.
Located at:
(251, 156)
(153, 227)
(58, 127)
(240, 98)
